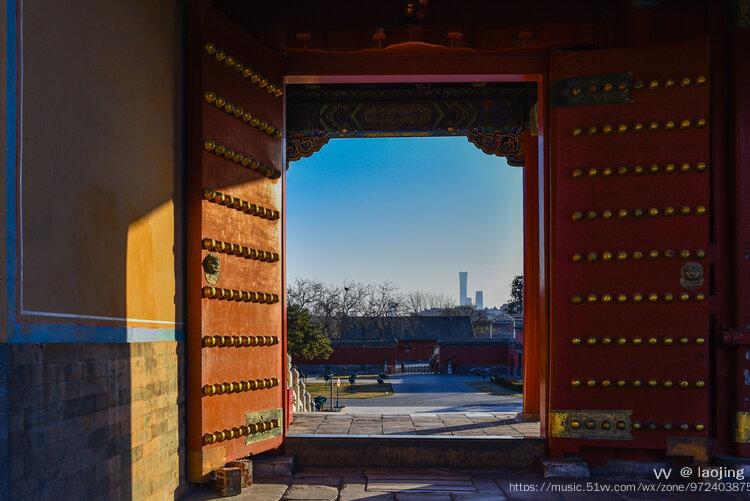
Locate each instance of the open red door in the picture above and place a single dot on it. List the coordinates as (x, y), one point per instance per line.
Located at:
(630, 248)
(235, 336)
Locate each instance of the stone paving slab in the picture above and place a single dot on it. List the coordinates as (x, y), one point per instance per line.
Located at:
(499, 484)
(328, 481)
(426, 485)
(306, 492)
(484, 484)
(357, 492)
(410, 472)
(266, 492)
(422, 496)
(455, 423)
(479, 496)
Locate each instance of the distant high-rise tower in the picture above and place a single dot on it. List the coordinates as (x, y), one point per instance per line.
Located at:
(479, 300)
(463, 278)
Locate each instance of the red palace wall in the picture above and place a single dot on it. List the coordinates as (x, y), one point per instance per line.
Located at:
(355, 356)
(474, 355)
(415, 350)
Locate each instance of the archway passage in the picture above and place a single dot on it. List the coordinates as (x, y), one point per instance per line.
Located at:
(602, 105)
(410, 211)
(490, 115)
(498, 117)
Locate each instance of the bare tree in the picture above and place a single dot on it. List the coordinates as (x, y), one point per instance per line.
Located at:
(378, 306)
(328, 310)
(384, 299)
(440, 301)
(305, 293)
(385, 308)
(420, 302)
(354, 298)
(415, 302)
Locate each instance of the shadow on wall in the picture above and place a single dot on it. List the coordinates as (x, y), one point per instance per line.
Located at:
(96, 405)
(96, 420)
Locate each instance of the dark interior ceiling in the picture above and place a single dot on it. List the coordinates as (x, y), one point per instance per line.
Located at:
(354, 14)
(349, 25)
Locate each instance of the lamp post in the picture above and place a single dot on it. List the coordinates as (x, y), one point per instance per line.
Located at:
(338, 385)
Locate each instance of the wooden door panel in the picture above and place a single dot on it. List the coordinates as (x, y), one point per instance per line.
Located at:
(231, 175)
(235, 339)
(630, 195)
(224, 227)
(239, 132)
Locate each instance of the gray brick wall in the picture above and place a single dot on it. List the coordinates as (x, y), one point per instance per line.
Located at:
(4, 421)
(95, 421)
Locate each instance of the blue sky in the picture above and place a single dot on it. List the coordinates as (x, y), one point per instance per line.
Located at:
(414, 211)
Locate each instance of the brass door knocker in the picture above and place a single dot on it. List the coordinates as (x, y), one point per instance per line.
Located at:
(211, 269)
(691, 275)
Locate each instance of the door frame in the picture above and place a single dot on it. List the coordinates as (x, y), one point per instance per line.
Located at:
(535, 217)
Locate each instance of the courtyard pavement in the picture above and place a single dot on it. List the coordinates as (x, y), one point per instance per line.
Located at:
(423, 404)
(433, 393)
(435, 484)
(450, 424)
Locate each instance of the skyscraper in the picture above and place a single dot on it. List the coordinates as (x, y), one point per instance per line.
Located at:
(463, 278)
(479, 302)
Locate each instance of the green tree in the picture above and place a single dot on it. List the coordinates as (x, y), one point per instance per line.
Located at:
(305, 338)
(515, 305)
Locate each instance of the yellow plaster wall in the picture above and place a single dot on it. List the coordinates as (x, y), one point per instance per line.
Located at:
(102, 158)
(149, 267)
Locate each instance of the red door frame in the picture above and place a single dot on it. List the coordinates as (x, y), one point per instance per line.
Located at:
(417, 63)
(535, 219)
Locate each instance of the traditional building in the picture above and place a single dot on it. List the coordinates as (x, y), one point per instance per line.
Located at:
(144, 153)
(495, 326)
(391, 344)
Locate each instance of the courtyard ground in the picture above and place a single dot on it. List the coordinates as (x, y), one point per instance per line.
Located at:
(434, 393)
(363, 389)
(424, 404)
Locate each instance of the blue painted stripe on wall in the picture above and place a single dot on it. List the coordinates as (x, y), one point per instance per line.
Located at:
(37, 332)
(72, 333)
(10, 156)
(11, 122)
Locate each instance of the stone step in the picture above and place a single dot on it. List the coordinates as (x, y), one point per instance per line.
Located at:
(414, 451)
(565, 468)
(269, 466)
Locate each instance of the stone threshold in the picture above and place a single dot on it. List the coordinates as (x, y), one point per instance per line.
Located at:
(409, 451)
(410, 438)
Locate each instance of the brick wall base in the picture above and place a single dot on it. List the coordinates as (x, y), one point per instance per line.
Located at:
(4, 421)
(93, 421)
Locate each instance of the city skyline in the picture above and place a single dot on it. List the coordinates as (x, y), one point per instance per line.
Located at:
(355, 212)
(463, 288)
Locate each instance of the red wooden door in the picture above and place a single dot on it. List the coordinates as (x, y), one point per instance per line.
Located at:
(235, 336)
(630, 248)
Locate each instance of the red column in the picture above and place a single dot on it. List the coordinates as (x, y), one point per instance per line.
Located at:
(741, 233)
(531, 338)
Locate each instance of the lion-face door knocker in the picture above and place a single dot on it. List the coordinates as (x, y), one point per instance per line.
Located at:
(691, 275)
(211, 269)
